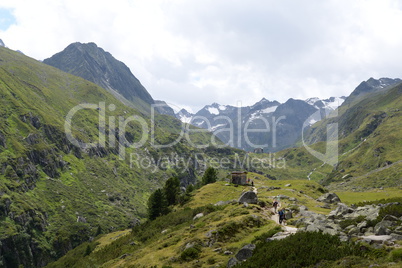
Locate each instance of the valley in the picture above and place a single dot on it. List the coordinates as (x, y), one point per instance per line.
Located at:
(84, 148)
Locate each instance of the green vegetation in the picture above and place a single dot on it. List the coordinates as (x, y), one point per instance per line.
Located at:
(55, 195)
(210, 176)
(291, 251)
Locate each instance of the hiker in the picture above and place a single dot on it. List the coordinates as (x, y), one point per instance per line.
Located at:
(282, 216)
(275, 204)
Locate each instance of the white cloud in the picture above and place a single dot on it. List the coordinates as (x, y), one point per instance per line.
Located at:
(193, 53)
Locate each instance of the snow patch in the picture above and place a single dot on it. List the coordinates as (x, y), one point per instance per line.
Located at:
(212, 129)
(222, 107)
(186, 119)
(213, 110)
(269, 110)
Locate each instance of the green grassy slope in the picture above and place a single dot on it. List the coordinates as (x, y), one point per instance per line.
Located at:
(222, 228)
(179, 240)
(369, 144)
(54, 195)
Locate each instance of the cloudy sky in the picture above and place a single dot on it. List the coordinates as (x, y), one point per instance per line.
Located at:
(194, 52)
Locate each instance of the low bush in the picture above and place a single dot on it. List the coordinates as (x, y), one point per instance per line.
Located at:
(347, 222)
(300, 250)
(395, 255)
(263, 237)
(190, 254)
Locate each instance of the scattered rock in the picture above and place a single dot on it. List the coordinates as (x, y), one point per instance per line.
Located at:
(232, 262)
(245, 252)
(288, 185)
(222, 203)
(199, 215)
(273, 188)
(288, 214)
(390, 218)
(81, 219)
(382, 228)
(164, 231)
(124, 256)
(189, 245)
(362, 225)
(227, 252)
(329, 198)
(210, 233)
(248, 197)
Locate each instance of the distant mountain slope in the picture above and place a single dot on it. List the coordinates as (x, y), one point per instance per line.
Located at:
(370, 86)
(370, 135)
(98, 66)
(269, 125)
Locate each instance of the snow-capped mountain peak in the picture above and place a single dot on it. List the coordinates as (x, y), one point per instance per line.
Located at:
(331, 103)
(184, 116)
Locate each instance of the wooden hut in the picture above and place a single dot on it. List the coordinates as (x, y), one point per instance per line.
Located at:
(239, 177)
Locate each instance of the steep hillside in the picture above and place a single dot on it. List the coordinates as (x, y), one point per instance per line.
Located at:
(68, 165)
(370, 140)
(94, 64)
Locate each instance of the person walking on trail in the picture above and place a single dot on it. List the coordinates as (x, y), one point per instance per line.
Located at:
(282, 216)
(275, 205)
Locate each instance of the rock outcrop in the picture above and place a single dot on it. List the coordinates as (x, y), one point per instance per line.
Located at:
(249, 197)
(329, 198)
(388, 229)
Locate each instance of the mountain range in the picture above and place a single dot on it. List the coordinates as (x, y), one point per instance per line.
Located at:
(269, 125)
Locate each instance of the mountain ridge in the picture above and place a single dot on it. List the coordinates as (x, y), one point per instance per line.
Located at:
(98, 66)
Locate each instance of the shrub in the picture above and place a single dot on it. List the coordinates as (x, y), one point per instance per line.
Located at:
(394, 210)
(345, 223)
(190, 254)
(210, 176)
(291, 251)
(395, 255)
(263, 237)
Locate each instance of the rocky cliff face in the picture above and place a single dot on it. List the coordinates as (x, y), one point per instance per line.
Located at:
(98, 66)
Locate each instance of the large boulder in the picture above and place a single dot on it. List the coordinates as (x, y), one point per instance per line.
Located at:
(329, 198)
(340, 211)
(382, 228)
(232, 262)
(370, 212)
(245, 252)
(249, 197)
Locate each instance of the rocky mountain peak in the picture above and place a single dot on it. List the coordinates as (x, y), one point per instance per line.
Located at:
(373, 85)
(98, 66)
(2, 43)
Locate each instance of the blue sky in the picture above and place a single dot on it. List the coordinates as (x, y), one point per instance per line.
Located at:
(6, 19)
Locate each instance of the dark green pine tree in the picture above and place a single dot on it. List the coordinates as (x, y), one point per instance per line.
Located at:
(210, 176)
(172, 190)
(157, 205)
